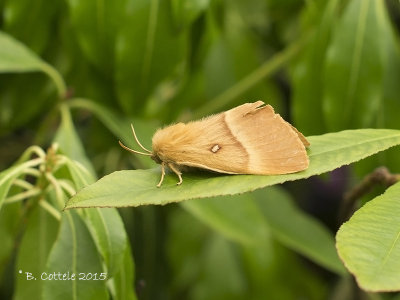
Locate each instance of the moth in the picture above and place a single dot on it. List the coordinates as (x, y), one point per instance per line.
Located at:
(248, 139)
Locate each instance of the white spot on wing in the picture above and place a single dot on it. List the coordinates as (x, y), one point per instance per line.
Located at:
(215, 148)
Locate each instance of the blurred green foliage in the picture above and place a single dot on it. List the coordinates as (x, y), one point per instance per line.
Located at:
(79, 72)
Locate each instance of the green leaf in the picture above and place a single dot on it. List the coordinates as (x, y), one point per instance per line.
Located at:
(10, 217)
(30, 21)
(354, 67)
(242, 222)
(223, 277)
(272, 269)
(75, 252)
(148, 51)
(389, 117)
(81, 177)
(138, 187)
(185, 239)
(297, 230)
(232, 68)
(40, 234)
(16, 109)
(96, 24)
(109, 234)
(16, 57)
(308, 76)
(69, 141)
(123, 280)
(186, 11)
(369, 243)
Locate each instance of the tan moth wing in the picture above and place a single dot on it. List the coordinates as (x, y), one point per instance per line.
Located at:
(303, 139)
(274, 145)
(248, 139)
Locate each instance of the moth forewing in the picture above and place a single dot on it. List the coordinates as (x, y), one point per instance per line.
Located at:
(248, 139)
(272, 145)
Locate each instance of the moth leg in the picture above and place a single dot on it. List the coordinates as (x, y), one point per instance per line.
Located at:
(162, 174)
(177, 172)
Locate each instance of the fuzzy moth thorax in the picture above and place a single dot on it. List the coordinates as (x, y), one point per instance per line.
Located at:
(168, 137)
(173, 140)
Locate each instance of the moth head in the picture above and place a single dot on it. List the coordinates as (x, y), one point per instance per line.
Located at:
(156, 158)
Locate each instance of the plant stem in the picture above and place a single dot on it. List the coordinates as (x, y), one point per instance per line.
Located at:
(57, 79)
(380, 175)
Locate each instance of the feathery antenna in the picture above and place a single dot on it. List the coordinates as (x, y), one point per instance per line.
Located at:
(149, 153)
(133, 151)
(137, 141)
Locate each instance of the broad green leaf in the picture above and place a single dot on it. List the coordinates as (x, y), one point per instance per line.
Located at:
(10, 217)
(387, 115)
(138, 187)
(40, 234)
(242, 222)
(29, 21)
(223, 277)
(232, 69)
(109, 235)
(69, 141)
(81, 177)
(297, 230)
(75, 252)
(79, 166)
(148, 51)
(16, 109)
(186, 11)
(84, 79)
(16, 57)
(231, 59)
(355, 62)
(279, 273)
(308, 75)
(369, 243)
(123, 281)
(185, 239)
(255, 13)
(105, 226)
(96, 24)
